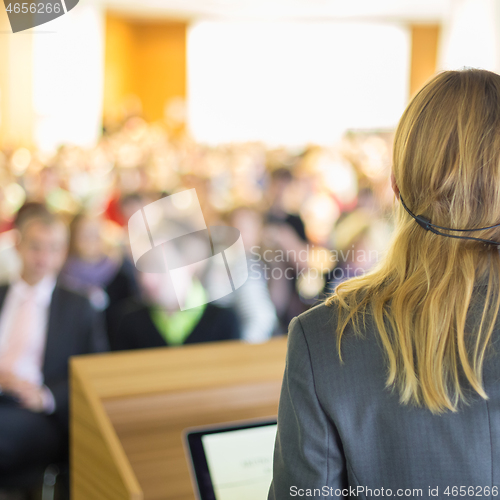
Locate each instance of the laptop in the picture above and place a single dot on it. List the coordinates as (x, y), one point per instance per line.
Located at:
(233, 460)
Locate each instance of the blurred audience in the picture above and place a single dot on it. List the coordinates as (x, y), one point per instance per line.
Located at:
(300, 198)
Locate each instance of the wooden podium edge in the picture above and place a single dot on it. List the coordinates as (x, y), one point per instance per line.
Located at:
(89, 422)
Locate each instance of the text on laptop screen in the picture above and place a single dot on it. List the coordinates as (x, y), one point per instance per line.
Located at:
(241, 462)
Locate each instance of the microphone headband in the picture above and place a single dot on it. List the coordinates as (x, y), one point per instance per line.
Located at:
(428, 226)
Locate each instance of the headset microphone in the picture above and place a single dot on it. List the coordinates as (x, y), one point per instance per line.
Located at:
(428, 226)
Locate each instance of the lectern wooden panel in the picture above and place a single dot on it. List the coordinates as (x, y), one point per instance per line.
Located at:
(128, 412)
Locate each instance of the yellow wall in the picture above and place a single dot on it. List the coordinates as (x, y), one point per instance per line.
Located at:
(119, 44)
(146, 59)
(16, 86)
(424, 49)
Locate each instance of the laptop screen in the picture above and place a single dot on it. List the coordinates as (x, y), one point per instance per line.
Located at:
(233, 462)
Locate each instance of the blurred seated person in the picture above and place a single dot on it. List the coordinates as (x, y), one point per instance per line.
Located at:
(280, 180)
(252, 302)
(105, 278)
(157, 321)
(284, 235)
(41, 326)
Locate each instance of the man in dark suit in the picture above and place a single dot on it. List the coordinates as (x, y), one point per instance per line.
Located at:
(41, 326)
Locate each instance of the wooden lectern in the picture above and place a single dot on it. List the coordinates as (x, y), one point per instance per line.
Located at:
(129, 409)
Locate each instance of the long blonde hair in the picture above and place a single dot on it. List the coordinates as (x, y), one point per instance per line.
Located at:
(446, 164)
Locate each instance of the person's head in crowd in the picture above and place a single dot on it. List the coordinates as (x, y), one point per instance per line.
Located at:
(28, 210)
(158, 291)
(130, 204)
(50, 180)
(42, 242)
(86, 241)
(250, 223)
(96, 266)
(279, 180)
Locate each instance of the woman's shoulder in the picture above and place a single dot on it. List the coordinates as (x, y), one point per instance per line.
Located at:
(322, 319)
(312, 333)
(319, 318)
(317, 328)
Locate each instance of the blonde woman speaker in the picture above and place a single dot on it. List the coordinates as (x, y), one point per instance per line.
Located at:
(392, 387)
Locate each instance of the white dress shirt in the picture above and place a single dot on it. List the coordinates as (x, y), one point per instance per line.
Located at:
(29, 365)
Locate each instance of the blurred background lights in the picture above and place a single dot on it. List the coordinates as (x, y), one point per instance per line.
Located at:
(14, 196)
(20, 160)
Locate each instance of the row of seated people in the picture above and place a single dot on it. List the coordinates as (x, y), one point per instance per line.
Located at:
(61, 306)
(139, 310)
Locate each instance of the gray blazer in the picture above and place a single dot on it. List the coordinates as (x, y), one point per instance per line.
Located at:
(339, 428)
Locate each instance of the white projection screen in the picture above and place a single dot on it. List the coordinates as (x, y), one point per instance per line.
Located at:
(294, 82)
